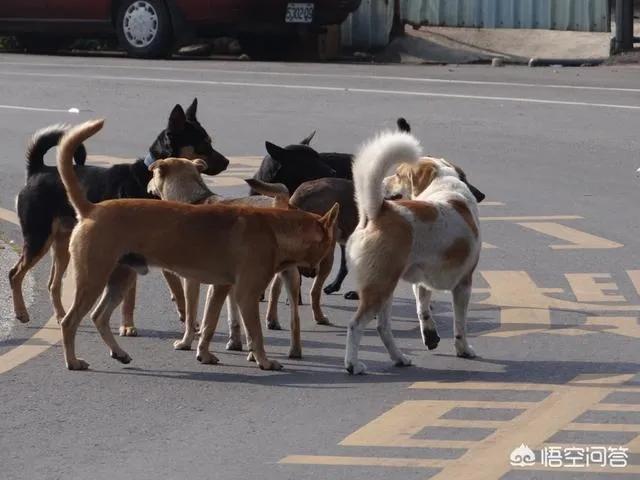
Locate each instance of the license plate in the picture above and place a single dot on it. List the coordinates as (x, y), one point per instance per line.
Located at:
(299, 13)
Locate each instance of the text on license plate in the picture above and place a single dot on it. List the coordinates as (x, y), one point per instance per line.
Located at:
(299, 13)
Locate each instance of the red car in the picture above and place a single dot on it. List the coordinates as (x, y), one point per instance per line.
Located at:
(152, 28)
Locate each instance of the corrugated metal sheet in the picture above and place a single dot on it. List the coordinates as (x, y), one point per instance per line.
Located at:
(369, 26)
(579, 15)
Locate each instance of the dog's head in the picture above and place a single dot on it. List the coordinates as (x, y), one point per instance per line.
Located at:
(178, 179)
(184, 137)
(411, 180)
(292, 166)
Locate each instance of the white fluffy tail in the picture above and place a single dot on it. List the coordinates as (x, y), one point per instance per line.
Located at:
(372, 163)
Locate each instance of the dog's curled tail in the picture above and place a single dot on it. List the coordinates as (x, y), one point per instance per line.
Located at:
(45, 139)
(371, 164)
(69, 143)
(277, 191)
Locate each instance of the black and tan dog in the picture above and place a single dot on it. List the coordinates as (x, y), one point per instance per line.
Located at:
(238, 250)
(46, 217)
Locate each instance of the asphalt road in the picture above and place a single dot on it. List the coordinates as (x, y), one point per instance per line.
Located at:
(554, 317)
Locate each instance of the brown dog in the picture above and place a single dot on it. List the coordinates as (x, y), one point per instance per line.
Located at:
(238, 250)
(179, 180)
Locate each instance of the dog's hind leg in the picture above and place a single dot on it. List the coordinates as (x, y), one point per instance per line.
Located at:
(461, 296)
(177, 293)
(32, 252)
(428, 327)
(234, 320)
(386, 335)
(192, 295)
(272, 310)
(215, 299)
(120, 284)
(127, 327)
(324, 269)
(60, 250)
(291, 278)
(89, 287)
(365, 313)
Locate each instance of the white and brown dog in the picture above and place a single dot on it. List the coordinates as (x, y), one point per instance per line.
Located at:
(432, 241)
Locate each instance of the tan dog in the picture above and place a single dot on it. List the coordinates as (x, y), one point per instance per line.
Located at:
(432, 241)
(179, 180)
(236, 249)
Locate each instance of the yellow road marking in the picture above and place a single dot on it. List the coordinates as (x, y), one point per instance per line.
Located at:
(634, 275)
(489, 459)
(539, 218)
(603, 427)
(9, 216)
(577, 239)
(526, 308)
(363, 461)
(586, 289)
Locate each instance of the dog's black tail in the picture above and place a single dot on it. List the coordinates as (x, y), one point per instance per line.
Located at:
(45, 139)
(403, 125)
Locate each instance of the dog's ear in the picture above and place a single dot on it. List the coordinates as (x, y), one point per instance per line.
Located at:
(177, 120)
(403, 125)
(159, 165)
(308, 138)
(476, 193)
(200, 164)
(276, 152)
(329, 218)
(192, 110)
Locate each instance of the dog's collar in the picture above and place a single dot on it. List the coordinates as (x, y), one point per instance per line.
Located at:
(149, 159)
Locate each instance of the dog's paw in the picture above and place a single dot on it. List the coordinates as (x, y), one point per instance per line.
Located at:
(128, 331)
(295, 352)
(431, 339)
(351, 295)
(358, 368)
(234, 345)
(181, 345)
(331, 288)
(270, 365)
(273, 325)
(122, 357)
(207, 358)
(23, 317)
(321, 319)
(464, 350)
(403, 361)
(77, 364)
(251, 357)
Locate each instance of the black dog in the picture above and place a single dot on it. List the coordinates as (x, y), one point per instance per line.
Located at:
(295, 164)
(47, 218)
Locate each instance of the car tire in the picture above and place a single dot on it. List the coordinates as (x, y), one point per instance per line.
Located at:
(144, 28)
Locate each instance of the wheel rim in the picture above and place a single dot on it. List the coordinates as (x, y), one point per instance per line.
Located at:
(140, 24)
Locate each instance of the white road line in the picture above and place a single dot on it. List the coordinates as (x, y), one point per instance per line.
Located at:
(332, 75)
(323, 88)
(33, 109)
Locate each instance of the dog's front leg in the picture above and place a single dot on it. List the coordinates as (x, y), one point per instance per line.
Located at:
(177, 293)
(248, 301)
(324, 269)
(291, 278)
(127, 328)
(461, 296)
(233, 320)
(192, 295)
(336, 284)
(215, 299)
(428, 328)
(272, 310)
(386, 335)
